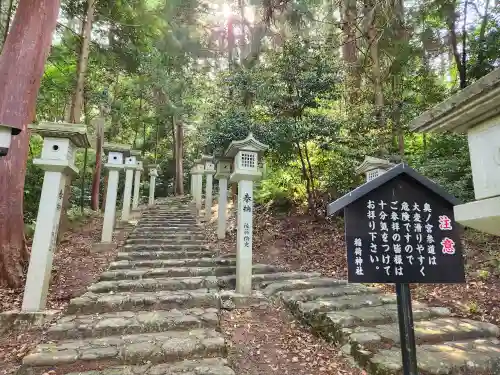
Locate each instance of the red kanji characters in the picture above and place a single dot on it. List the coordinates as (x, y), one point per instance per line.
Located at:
(444, 222)
(448, 246)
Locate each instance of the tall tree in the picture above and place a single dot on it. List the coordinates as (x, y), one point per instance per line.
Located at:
(21, 68)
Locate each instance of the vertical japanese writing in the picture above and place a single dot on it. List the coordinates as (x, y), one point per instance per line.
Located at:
(358, 254)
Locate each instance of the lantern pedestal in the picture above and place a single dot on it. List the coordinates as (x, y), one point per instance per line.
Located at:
(130, 166)
(223, 172)
(198, 184)
(137, 186)
(153, 173)
(58, 157)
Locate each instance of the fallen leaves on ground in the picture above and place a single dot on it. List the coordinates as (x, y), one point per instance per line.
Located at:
(266, 340)
(74, 269)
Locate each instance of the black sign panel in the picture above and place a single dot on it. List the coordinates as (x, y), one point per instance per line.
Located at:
(403, 232)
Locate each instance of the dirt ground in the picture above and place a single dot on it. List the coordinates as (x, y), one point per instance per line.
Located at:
(267, 340)
(75, 268)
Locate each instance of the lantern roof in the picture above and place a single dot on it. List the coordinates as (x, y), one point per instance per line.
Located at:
(117, 147)
(470, 107)
(398, 170)
(205, 158)
(248, 144)
(370, 163)
(76, 133)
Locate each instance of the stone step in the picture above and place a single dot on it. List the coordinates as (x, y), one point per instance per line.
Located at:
(208, 366)
(92, 303)
(163, 247)
(292, 297)
(261, 280)
(188, 228)
(153, 348)
(426, 332)
(148, 273)
(162, 241)
(471, 357)
(132, 322)
(138, 255)
(167, 230)
(166, 236)
(291, 285)
(151, 285)
(166, 263)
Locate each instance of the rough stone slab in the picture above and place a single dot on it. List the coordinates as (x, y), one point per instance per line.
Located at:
(338, 325)
(132, 322)
(170, 346)
(167, 236)
(290, 285)
(426, 332)
(209, 366)
(481, 356)
(337, 290)
(165, 263)
(91, 303)
(263, 279)
(231, 300)
(347, 302)
(25, 320)
(164, 247)
(148, 273)
(150, 285)
(160, 241)
(137, 255)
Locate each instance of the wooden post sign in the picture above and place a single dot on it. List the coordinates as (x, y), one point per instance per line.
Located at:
(400, 228)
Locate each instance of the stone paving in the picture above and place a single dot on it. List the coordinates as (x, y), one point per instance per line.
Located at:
(363, 320)
(154, 312)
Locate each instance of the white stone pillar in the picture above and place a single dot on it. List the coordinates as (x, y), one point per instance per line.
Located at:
(208, 194)
(110, 209)
(57, 159)
(192, 185)
(244, 238)
(127, 190)
(222, 214)
(137, 186)
(44, 241)
(198, 192)
(152, 185)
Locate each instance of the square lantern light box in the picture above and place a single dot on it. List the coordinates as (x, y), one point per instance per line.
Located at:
(60, 143)
(116, 152)
(246, 154)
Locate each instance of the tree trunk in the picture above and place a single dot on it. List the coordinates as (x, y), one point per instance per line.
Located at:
(96, 178)
(21, 68)
(179, 144)
(482, 34)
(174, 154)
(463, 71)
(373, 47)
(77, 103)
(310, 201)
(349, 51)
(451, 21)
(7, 21)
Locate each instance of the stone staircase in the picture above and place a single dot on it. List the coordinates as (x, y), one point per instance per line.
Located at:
(155, 311)
(364, 321)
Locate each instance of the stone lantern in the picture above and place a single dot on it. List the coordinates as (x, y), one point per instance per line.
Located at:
(198, 182)
(137, 185)
(153, 173)
(223, 171)
(246, 154)
(116, 154)
(58, 161)
(209, 171)
(475, 110)
(6, 133)
(373, 167)
(130, 166)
